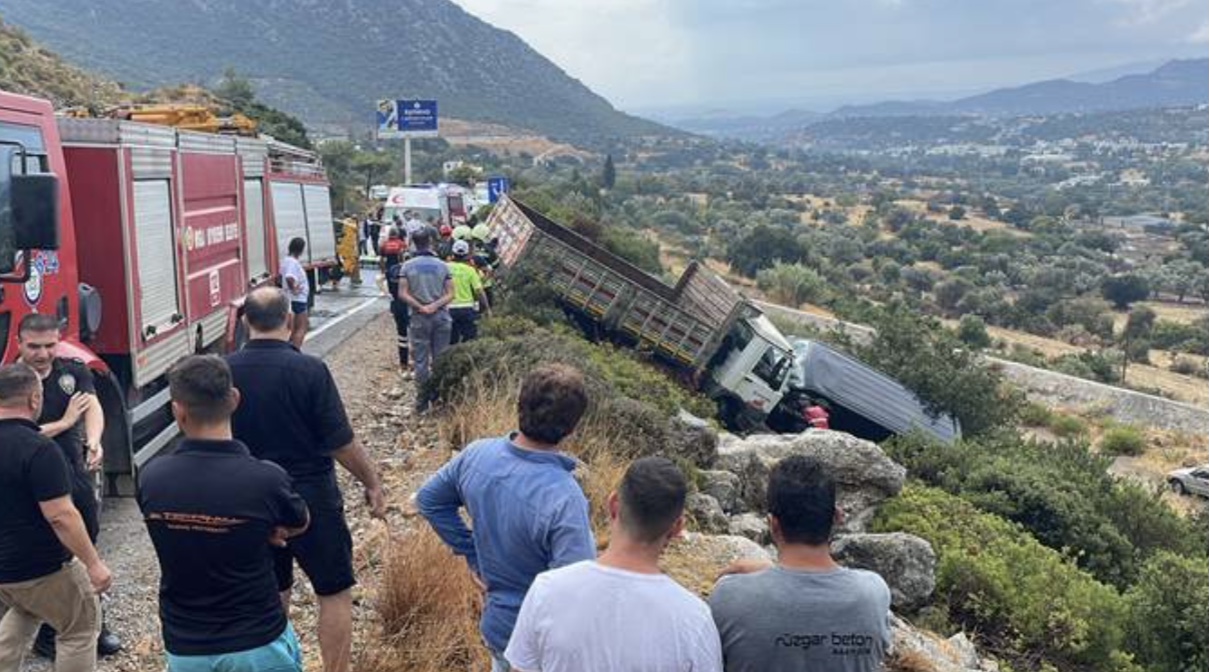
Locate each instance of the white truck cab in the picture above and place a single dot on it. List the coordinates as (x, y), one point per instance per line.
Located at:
(756, 369)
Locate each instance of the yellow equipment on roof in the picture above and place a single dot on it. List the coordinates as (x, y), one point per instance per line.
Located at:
(187, 117)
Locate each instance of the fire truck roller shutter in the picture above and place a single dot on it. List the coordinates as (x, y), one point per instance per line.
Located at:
(159, 302)
(288, 215)
(319, 222)
(258, 265)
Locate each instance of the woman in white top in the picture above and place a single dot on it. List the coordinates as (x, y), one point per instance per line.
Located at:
(293, 280)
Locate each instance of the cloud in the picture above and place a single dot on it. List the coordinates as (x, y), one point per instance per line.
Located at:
(818, 53)
(1149, 11)
(1200, 36)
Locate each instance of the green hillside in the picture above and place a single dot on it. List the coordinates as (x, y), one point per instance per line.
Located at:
(27, 68)
(328, 62)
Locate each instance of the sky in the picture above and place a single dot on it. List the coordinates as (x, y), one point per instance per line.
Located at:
(759, 56)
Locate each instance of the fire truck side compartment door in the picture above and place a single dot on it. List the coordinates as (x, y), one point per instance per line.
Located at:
(319, 222)
(159, 302)
(253, 203)
(288, 215)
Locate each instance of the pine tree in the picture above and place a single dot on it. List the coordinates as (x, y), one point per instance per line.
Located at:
(608, 176)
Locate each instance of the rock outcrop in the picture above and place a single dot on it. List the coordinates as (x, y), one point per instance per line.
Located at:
(905, 561)
(864, 474)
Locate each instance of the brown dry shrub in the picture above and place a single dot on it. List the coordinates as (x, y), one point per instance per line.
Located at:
(428, 609)
(909, 661)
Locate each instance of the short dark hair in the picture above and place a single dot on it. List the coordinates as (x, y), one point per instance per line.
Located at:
(422, 239)
(801, 495)
(17, 382)
(553, 399)
(202, 384)
(267, 309)
(297, 245)
(37, 323)
(652, 494)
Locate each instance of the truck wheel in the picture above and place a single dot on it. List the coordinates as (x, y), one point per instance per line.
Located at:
(1178, 487)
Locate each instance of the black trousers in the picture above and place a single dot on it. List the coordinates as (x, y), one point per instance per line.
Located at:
(465, 325)
(84, 496)
(402, 314)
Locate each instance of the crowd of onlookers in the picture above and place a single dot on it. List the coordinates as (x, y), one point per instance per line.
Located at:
(251, 490)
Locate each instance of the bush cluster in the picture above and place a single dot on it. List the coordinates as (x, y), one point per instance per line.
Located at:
(1026, 601)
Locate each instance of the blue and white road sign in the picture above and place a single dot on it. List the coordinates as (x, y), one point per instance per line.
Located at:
(496, 187)
(418, 118)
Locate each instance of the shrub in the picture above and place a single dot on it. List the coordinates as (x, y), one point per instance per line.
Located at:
(791, 284)
(1063, 494)
(1067, 426)
(1027, 602)
(1187, 367)
(972, 331)
(1168, 611)
(1033, 414)
(1123, 441)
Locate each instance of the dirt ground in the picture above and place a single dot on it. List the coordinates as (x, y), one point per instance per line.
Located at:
(379, 402)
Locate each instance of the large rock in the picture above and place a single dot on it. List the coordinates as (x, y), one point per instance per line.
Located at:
(905, 561)
(695, 560)
(693, 439)
(752, 526)
(706, 513)
(865, 476)
(723, 486)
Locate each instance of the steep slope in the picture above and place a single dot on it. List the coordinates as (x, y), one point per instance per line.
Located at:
(27, 68)
(328, 61)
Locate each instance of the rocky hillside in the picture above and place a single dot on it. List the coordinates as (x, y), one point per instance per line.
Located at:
(328, 62)
(27, 68)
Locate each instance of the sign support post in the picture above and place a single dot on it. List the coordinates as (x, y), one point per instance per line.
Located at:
(407, 160)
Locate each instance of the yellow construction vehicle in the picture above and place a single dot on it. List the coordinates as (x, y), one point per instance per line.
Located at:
(187, 117)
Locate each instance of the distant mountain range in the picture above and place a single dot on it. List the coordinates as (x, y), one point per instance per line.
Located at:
(327, 61)
(1175, 83)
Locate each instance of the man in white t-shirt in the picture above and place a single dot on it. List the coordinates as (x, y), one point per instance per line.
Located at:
(619, 613)
(294, 282)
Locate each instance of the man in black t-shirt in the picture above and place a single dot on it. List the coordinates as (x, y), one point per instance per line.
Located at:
(213, 511)
(40, 532)
(72, 416)
(292, 414)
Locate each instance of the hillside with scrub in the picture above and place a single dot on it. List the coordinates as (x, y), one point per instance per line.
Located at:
(1027, 548)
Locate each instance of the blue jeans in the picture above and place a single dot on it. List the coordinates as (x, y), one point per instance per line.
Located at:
(499, 663)
(281, 655)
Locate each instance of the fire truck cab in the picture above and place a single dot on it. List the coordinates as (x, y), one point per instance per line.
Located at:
(144, 240)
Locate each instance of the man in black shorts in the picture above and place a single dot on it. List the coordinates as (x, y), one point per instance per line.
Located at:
(72, 416)
(292, 414)
(212, 511)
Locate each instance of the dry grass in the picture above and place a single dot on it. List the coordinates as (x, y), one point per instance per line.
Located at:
(1182, 313)
(489, 409)
(910, 661)
(428, 609)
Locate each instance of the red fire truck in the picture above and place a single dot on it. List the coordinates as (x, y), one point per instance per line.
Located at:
(144, 239)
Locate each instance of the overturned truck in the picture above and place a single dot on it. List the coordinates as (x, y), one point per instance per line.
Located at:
(719, 341)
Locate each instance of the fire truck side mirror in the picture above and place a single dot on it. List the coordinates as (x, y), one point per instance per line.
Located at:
(35, 211)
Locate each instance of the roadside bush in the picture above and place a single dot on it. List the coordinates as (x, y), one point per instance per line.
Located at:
(1168, 613)
(1033, 414)
(1026, 602)
(1067, 426)
(1187, 367)
(1123, 441)
(948, 377)
(1063, 494)
(972, 331)
(791, 284)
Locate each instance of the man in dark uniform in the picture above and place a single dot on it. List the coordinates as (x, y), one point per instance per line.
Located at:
(72, 416)
(291, 414)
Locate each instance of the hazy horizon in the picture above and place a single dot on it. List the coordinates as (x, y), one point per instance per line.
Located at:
(685, 57)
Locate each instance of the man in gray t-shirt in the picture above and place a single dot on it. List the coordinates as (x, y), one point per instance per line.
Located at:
(807, 613)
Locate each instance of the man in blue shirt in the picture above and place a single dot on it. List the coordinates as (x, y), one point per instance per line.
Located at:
(528, 514)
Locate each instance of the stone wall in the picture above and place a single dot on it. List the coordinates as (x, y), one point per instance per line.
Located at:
(1050, 387)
